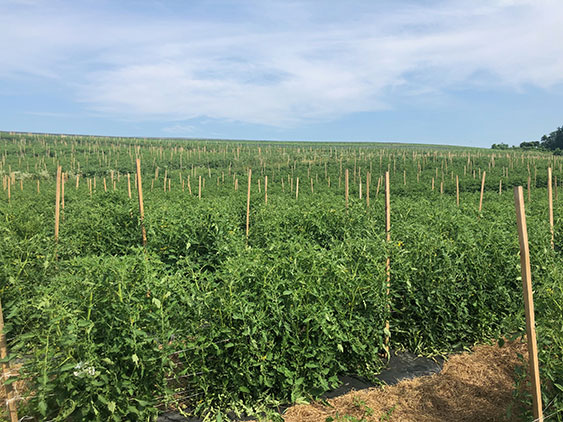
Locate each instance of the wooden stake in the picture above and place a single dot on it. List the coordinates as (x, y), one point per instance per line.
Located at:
(62, 191)
(528, 303)
(297, 188)
(199, 189)
(266, 189)
(457, 189)
(550, 204)
(248, 202)
(57, 203)
(129, 185)
(367, 188)
(141, 206)
(12, 408)
(388, 262)
(346, 187)
(482, 190)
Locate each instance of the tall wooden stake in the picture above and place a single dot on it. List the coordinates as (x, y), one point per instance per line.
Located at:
(129, 185)
(346, 187)
(12, 408)
(482, 190)
(367, 188)
(528, 303)
(266, 189)
(57, 203)
(388, 262)
(550, 204)
(141, 206)
(457, 189)
(297, 188)
(248, 202)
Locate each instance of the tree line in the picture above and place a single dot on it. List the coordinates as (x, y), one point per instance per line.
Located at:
(552, 142)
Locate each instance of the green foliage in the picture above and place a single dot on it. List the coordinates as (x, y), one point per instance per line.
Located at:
(209, 321)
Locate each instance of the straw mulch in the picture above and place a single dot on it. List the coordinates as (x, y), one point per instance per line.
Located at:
(472, 387)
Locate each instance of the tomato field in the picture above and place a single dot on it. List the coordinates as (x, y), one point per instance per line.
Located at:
(210, 318)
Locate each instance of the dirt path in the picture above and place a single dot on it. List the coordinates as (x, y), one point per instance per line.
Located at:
(472, 387)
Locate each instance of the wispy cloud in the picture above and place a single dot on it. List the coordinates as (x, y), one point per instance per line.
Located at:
(280, 63)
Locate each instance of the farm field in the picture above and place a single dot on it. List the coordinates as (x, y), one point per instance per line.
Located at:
(223, 311)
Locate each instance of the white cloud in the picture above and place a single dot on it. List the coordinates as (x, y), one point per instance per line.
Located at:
(280, 63)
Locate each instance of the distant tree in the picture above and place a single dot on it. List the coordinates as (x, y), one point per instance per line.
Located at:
(500, 146)
(554, 140)
(530, 145)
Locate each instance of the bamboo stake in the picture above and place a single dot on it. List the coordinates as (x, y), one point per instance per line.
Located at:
(528, 303)
(77, 180)
(12, 408)
(297, 188)
(266, 189)
(57, 203)
(500, 187)
(482, 190)
(550, 204)
(141, 206)
(248, 202)
(38, 190)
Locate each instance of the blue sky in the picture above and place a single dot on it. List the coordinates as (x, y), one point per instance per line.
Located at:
(459, 72)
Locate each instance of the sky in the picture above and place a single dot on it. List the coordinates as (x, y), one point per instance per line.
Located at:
(458, 72)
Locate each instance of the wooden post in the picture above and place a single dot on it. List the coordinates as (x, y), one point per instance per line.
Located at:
(38, 190)
(529, 188)
(297, 188)
(12, 408)
(266, 189)
(378, 185)
(199, 188)
(457, 189)
(528, 303)
(500, 187)
(62, 191)
(388, 262)
(367, 188)
(346, 187)
(482, 190)
(141, 206)
(550, 204)
(57, 203)
(129, 185)
(248, 202)
(77, 180)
